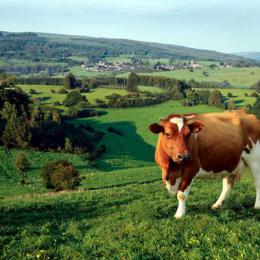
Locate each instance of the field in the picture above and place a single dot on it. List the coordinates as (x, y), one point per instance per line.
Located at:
(239, 96)
(79, 72)
(48, 98)
(122, 211)
(237, 77)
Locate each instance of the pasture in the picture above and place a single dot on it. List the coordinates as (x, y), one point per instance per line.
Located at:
(48, 98)
(237, 77)
(77, 71)
(238, 96)
(121, 210)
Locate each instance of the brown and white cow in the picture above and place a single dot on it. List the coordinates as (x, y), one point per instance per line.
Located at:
(218, 144)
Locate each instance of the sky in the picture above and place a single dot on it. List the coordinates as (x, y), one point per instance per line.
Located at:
(223, 25)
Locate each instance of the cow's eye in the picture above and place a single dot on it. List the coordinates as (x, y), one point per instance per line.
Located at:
(167, 135)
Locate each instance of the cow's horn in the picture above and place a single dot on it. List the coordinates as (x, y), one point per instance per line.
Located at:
(189, 117)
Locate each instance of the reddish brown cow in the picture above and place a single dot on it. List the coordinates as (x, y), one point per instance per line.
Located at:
(218, 144)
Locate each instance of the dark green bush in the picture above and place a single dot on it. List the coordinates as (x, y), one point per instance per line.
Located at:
(32, 91)
(254, 94)
(60, 175)
(73, 98)
(21, 162)
(63, 91)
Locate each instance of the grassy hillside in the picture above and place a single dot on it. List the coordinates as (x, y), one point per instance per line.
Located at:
(55, 46)
(48, 98)
(122, 210)
(237, 77)
(250, 55)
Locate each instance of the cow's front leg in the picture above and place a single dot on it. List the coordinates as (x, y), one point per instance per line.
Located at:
(228, 183)
(182, 197)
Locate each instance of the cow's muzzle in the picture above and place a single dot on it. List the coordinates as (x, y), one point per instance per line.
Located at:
(182, 157)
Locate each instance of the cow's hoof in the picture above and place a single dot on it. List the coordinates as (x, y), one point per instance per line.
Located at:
(178, 215)
(216, 206)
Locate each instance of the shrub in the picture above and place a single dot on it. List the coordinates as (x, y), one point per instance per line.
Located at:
(231, 105)
(254, 94)
(60, 175)
(68, 146)
(256, 86)
(63, 91)
(32, 91)
(53, 91)
(21, 165)
(229, 95)
(255, 109)
(21, 162)
(57, 103)
(73, 98)
(216, 98)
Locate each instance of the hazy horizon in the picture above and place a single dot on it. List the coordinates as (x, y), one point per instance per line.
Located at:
(216, 25)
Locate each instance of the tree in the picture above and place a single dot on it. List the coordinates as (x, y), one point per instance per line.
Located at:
(205, 73)
(16, 132)
(255, 109)
(132, 82)
(70, 81)
(231, 105)
(216, 98)
(256, 86)
(21, 165)
(73, 98)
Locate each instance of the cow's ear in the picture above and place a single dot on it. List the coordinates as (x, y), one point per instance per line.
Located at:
(195, 126)
(156, 128)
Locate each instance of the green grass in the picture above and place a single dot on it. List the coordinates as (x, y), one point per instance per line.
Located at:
(150, 89)
(78, 58)
(239, 96)
(77, 71)
(120, 58)
(237, 77)
(44, 92)
(101, 93)
(122, 211)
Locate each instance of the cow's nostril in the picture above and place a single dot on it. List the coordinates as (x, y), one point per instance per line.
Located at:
(180, 156)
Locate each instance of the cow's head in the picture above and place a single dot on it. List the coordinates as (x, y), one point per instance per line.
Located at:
(175, 132)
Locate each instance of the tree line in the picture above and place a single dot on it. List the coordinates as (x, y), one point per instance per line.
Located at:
(23, 124)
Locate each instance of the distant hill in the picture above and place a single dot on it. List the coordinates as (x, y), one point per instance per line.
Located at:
(250, 55)
(35, 46)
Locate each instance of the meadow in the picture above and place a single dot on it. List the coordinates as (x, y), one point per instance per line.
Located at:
(238, 96)
(49, 98)
(237, 77)
(122, 210)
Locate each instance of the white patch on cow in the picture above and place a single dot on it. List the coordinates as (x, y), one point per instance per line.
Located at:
(178, 121)
(173, 188)
(224, 194)
(253, 160)
(182, 197)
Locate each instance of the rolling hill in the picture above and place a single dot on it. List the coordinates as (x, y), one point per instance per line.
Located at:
(250, 55)
(37, 46)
